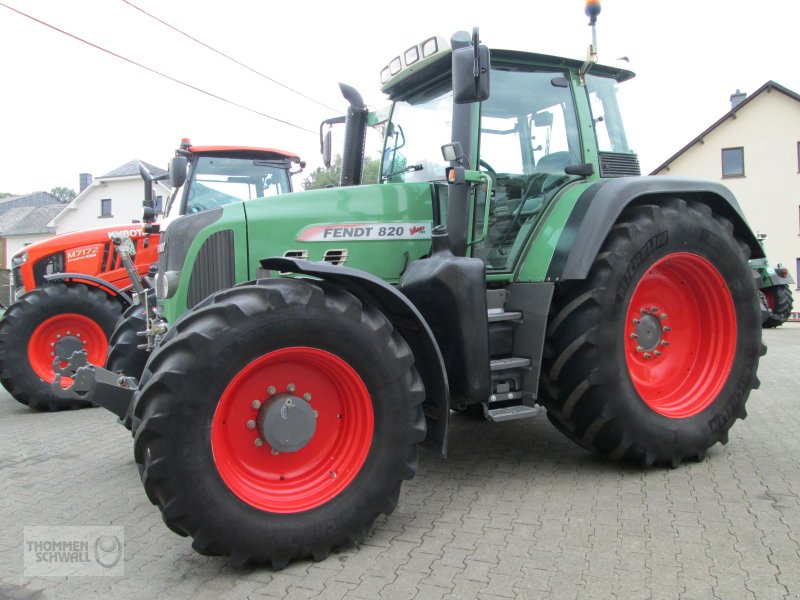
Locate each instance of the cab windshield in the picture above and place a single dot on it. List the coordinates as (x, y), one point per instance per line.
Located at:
(414, 136)
(216, 181)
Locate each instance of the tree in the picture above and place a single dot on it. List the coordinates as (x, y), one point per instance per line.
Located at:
(64, 194)
(322, 177)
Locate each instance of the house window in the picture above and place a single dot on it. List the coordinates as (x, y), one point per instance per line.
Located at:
(105, 207)
(733, 162)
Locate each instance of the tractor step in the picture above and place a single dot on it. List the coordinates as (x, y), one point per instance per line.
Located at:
(510, 413)
(512, 362)
(498, 314)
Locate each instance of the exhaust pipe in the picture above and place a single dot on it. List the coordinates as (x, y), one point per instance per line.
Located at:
(355, 136)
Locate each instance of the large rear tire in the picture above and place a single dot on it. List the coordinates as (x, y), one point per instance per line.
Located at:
(779, 304)
(653, 356)
(278, 421)
(54, 318)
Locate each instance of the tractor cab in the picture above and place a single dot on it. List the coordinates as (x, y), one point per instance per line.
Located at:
(542, 127)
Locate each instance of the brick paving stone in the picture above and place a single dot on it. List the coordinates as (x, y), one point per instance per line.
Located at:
(516, 511)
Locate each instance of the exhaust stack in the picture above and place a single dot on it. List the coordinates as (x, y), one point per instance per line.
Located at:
(355, 136)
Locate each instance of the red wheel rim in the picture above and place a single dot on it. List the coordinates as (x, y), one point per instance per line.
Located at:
(769, 294)
(81, 331)
(680, 335)
(289, 482)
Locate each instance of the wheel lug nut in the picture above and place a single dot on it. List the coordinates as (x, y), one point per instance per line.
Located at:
(667, 329)
(275, 452)
(271, 390)
(664, 343)
(316, 414)
(657, 352)
(251, 424)
(636, 321)
(653, 309)
(290, 387)
(634, 336)
(648, 355)
(256, 404)
(663, 316)
(643, 311)
(307, 397)
(259, 442)
(639, 349)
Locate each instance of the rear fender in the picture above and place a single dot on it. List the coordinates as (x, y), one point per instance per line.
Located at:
(599, 208)
(408, 321)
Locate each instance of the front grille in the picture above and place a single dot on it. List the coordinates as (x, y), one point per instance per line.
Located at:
(619, 165)
(48, 265)
(214, 268)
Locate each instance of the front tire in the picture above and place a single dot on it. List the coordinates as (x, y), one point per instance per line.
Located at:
(653, 356)
(54, 317)
(226, 469)
(124, 354)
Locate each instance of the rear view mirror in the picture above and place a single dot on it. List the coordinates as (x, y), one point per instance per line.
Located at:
(178, 167)
(326, 150)
(471, 66)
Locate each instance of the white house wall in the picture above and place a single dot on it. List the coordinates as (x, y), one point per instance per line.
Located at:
(126, 194)
(768, 128)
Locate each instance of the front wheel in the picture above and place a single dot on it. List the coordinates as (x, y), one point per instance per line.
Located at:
(54, 320)
(277, 421)
(653, 356)
(124, 354)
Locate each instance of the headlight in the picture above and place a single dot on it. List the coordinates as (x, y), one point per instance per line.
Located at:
(167, 284)
(19, 259)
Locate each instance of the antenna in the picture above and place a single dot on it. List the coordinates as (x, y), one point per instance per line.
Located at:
(592, 9)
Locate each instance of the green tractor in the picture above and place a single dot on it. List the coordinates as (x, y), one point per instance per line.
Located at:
(774, 290)
(511, 260)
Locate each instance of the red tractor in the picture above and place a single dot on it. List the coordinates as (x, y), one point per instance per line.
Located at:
(71, 289)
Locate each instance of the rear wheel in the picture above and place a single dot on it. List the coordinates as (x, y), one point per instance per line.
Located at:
(653, 356)
(277, 421)
(779, 304)
(54, 320)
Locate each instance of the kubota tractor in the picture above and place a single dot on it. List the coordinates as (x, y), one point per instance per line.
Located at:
(72, 288)
(511, 259)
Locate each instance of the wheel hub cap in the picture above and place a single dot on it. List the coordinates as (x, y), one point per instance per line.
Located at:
(648, 332)
(65, 346)
(286, 422)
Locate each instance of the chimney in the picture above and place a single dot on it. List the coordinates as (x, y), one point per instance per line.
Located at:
(737, 98)
(86, 181)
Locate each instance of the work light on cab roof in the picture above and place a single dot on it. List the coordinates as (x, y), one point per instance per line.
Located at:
(414, 58)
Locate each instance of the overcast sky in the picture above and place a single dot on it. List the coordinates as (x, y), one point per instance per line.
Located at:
(67, 108)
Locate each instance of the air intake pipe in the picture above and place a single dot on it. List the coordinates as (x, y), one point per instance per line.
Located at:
(355, 136)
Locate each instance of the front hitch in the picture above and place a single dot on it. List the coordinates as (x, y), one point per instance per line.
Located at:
(111, 391)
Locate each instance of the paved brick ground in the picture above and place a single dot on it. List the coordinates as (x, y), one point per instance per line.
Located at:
(515, 512)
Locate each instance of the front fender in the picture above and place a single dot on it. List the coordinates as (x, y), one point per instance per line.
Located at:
(601, 204)
(405, 317)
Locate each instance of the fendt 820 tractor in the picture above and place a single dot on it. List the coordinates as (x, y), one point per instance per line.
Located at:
(775, 289)
(512, 258)
(71, 289)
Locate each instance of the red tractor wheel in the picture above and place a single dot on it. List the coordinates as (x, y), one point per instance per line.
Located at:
(653, 356)
(54, 320)
(277, 421)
